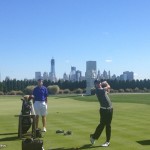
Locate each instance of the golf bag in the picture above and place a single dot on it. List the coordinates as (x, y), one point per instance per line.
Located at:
(26, 120)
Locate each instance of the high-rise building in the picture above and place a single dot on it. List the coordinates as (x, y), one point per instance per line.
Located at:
(53, 66)
(78, 75)
(52, 75)
(113, 77)
(38, 75)
(99, 75)
(73, 74)
(105, 76)
(90, 75)
(45, 76)
(128, 75)
(65, 77)
(90, 65)
(109, 75)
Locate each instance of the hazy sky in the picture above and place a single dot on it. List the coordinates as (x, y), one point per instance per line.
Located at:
(115, 33)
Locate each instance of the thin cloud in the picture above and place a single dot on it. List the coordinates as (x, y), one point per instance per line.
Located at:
(108, 60)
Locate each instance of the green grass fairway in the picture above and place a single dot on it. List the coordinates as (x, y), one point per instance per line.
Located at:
(80, 114)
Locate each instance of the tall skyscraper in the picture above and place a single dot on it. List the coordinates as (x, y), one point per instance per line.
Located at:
(90, 65)
(53, 66)
(90, 75)
(52, 75)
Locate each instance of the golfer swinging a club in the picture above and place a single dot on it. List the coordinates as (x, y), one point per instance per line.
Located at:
(106, 112)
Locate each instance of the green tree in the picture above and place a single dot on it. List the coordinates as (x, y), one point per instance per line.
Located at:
(29, 89)
(53, 89)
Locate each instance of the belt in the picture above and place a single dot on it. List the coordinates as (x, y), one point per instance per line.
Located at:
(106, 107)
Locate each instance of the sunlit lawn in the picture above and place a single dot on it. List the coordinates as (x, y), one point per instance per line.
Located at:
(130, 125)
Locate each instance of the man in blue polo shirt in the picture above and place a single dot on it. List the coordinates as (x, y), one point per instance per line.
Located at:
(40, 94)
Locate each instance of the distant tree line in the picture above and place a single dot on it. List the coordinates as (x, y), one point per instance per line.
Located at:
(121, 84)
(8, 86)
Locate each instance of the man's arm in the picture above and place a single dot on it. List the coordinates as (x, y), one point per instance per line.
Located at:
(46, 100)
(105, 86)
(46, 95)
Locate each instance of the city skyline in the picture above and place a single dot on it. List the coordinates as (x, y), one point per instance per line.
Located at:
(113, 33)
(51, 72)
(52, 75)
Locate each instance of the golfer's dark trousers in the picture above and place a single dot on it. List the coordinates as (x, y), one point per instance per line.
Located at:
(105, 121)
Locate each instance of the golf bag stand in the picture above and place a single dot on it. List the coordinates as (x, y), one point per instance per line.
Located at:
(21, 126)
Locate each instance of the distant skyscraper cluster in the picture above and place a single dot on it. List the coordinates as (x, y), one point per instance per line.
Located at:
(76, 75)
(47, 76)
(127, 75)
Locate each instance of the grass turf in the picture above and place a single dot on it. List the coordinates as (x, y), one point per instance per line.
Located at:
(130, 124)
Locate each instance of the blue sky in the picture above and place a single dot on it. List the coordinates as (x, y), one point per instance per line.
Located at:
(115, 33)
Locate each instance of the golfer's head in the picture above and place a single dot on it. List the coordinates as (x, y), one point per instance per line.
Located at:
(40, 82)
(104, 84)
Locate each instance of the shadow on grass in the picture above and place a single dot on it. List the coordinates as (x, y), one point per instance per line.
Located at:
(8, 133)
(87, 146)
(144, 142)
(9, 138)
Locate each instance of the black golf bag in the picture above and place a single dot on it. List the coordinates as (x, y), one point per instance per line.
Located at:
(26, 120)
